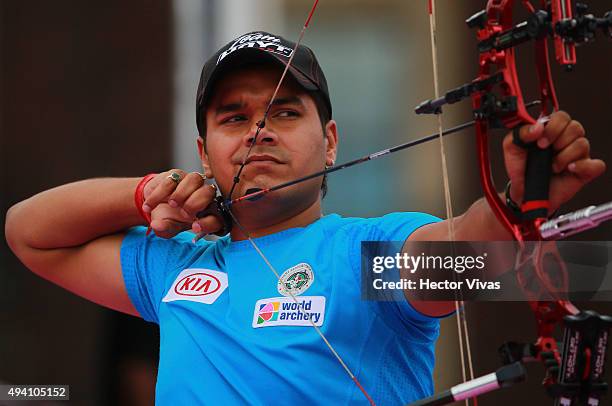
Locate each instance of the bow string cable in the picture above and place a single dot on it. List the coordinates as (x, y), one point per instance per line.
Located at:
(462, 326)
(260, 125)
(308, 316)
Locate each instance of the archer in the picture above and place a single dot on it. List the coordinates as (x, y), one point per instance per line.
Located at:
(244, 330)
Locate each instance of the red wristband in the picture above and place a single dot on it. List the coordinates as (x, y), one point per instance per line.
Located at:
(139, 199)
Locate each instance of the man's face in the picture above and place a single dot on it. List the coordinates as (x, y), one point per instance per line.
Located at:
(291, 145)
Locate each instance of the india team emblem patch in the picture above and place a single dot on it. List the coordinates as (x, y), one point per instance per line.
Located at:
(296, 280)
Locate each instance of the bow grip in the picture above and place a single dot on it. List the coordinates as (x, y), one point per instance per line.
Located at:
(538, 172)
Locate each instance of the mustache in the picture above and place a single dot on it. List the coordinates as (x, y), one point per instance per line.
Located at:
(260, 155)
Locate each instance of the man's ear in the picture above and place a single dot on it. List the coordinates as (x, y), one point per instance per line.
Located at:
(204, 158)
(331, 146)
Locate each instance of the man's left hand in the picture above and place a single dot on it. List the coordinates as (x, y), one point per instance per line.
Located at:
(572, 165)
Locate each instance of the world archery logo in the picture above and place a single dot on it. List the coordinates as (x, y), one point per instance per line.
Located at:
(289, 311)
(295, 280)
(268, 312)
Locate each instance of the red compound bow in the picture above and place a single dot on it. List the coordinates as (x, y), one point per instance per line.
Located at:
(574, 371)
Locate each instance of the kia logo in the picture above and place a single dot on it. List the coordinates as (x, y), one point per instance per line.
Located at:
(197, 284)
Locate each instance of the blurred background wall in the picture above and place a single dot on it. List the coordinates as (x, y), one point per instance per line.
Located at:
(106, 88)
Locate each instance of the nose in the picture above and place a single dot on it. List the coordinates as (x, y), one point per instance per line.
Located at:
(265, 136)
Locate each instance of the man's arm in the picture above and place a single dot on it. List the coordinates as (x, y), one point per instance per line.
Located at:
(71, 235)
(476, 224)
(572, 169)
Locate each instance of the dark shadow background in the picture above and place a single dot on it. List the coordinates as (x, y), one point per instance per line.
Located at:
(85, 91)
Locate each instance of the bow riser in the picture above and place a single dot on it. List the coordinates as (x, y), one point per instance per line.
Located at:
(501, 104)
(508, 110)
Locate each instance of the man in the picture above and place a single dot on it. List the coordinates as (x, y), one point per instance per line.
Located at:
(231, 332)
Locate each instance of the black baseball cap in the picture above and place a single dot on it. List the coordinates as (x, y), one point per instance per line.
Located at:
(260, 46)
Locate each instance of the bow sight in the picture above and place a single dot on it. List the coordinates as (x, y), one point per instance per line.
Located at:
(566, 32)
(569, 29)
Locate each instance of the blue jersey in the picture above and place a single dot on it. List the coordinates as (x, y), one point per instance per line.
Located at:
(231, 334)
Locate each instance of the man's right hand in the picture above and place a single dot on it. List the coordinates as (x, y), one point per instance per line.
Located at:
(173, 205)
(72, 235)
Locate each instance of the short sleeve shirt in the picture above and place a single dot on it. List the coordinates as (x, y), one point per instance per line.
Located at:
(229, 333)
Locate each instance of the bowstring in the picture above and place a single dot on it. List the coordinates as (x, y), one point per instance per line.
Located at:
(308, 316)
(260, 125)
(462, 325)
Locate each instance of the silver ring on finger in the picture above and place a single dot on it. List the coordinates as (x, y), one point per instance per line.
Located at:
(175, 177)
(204, 178)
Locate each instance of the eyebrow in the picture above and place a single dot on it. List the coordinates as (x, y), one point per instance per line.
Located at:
(226, 108)
(279, 101)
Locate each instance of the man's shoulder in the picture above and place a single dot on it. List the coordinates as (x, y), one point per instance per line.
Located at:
(394, 218)
(396, 226)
